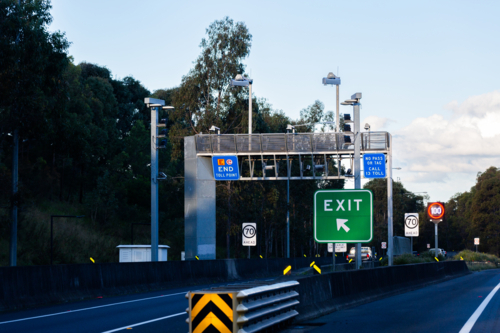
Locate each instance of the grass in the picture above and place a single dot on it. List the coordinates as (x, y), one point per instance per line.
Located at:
(480, 266)
(75, 240)
(407, 258)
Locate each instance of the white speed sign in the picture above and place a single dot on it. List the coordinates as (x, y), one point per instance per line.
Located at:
(411, 225)
(249, 234)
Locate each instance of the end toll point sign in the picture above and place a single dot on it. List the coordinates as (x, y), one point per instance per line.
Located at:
(343, 216)
(225, 167)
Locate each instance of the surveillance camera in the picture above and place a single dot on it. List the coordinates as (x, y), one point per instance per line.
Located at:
(367, 127)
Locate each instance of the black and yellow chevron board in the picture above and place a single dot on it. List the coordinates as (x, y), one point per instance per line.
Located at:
(211, 313)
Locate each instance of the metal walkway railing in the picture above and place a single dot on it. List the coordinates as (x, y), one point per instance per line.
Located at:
(297, 143)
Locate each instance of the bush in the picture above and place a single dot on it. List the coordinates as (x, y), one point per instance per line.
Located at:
(430, 255)
(469, 255)
(406, 259)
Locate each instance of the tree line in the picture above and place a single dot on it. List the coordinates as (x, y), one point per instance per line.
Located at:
(84, 149)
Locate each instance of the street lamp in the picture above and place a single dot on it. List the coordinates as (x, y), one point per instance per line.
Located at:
(332, 79)
(241, 81)
(52, 229)
(354, 101)
(155, 105)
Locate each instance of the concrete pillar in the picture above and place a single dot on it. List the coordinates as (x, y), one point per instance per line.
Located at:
(199, 203)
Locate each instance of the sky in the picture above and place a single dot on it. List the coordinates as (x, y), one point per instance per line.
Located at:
(427, 70)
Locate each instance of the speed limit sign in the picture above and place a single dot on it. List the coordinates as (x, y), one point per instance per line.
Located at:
(249, 234)
(411, 225)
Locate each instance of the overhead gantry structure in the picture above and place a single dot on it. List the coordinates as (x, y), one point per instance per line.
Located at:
(270, 156)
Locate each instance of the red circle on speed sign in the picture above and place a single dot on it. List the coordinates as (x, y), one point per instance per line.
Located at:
(435, 210)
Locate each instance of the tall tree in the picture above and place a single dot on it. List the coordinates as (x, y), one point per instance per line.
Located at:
(205, 97)
(32, 61)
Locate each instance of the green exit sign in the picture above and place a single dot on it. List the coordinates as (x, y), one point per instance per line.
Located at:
(343, 216)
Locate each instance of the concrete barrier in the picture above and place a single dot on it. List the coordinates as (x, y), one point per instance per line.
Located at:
(322, 294)
(29, 286)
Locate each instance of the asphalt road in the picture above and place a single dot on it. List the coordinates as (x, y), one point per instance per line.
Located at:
(443, 307)
(450, 306)
(162, 311)
(151, 312)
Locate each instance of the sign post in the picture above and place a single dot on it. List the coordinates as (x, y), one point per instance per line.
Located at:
(476, 242)
(411, 226)
(249, 235)
(330, 249)
(343, 216)
(435, 212)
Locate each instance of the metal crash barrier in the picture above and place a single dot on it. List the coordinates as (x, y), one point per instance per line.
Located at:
(242, 308)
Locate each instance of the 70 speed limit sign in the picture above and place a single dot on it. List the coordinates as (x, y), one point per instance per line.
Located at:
(249, 234)
(411, 225)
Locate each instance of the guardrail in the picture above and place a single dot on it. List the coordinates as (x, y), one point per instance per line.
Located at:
(243, 308)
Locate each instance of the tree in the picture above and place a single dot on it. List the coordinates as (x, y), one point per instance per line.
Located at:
(205, 97)
(32, 62)
(404, 201)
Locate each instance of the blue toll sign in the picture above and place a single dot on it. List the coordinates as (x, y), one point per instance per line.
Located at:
(374, 165)
(225, 167)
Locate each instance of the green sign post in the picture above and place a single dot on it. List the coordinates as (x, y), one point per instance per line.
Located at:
(343, 216)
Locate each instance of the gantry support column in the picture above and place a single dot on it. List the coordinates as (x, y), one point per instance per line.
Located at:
(199, 203)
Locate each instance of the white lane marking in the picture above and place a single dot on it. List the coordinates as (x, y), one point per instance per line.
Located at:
(145, 322)
(475, 316)
(92, 308)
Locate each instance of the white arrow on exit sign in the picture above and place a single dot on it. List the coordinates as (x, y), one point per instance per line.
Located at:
(341, 223)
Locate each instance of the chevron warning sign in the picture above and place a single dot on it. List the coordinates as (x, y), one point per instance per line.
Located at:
(211, 313)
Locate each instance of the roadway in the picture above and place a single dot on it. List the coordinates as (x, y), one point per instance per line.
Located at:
(442, 307)
(466, 304)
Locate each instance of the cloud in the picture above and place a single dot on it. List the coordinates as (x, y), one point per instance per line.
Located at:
(468, 141)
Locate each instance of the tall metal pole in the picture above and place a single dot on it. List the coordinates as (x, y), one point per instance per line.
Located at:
(390, 249)
(15, 180)
(13, 226)
(357, 171)
(51, 237)
(154, 184)
(288, 213)
(436, 238)
(338, 112)
(250, 109)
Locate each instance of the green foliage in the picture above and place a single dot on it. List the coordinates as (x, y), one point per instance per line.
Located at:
(407, 258)
(431, 256)
(469, 255)
(404, 201)
(32, 61)
(92, 150)
(475, 214)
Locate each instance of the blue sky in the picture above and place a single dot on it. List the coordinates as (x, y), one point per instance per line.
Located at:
(428, 70)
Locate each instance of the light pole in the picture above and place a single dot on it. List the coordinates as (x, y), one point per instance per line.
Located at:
(155, 105)
(241, 81)
(354, 101)
(332, 79)
(52, 231)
